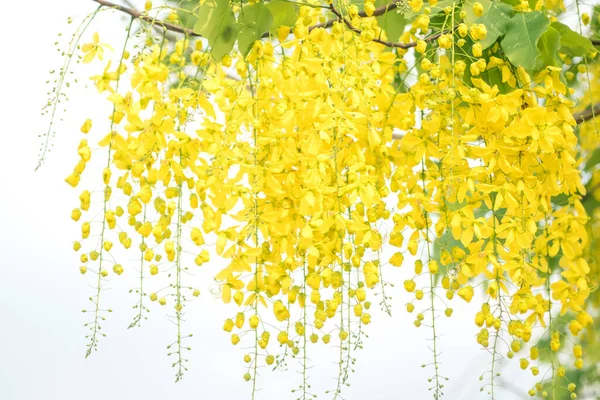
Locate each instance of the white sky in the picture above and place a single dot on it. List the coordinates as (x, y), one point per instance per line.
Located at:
(42, 341)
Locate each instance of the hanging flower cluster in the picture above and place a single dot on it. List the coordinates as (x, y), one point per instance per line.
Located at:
(297, 163)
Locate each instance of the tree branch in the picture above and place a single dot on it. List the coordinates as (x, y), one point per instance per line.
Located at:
(580, 117)
(144, 17)
(378, 11)
(586, 115)
(384, 42)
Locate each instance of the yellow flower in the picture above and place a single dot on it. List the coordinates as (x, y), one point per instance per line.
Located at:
(94, 49)
(87, 125)
(466, 293)
(73, 179)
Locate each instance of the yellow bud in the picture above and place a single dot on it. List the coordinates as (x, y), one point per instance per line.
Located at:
(226, 60)
(466, 293)
(585, 18)
(235, 339)
(433, 266)
(515, 346)
(534, 353)
(477, 50)
(76, 214)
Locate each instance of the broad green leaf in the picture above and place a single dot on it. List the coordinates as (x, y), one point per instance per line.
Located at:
(572, 43)
(548, 46)
(522, 34)
(255, 20)
(593, 160)
(495, 19)
(393, 24)
(223, 43)
(216, 22)
(208, 15)
(595, 23)
(245, 39)
(284, 13)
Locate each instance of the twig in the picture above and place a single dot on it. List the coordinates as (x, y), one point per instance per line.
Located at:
(378, 11)
(586, 115)
(384, 42)
(580, 117)
(144, 17)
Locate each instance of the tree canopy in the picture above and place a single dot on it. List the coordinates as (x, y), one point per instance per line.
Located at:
(301, 149)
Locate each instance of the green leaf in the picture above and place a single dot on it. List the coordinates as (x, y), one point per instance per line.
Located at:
(593, 160)
(223, 43)
(393, 24)
(255, 20)
(284, 13)
(548, 46)
(522, 34)
(572, 43)
(595, 23)
(495, 20)
(216, 22)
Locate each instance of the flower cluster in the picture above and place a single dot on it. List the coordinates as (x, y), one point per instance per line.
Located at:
(299, 163)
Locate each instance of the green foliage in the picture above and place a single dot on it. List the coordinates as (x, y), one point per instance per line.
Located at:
(548, 47)
(216, 22)
(495, 19)
(523, 32)
(284, 13)
(572, 43)
(392, 23)
(255, 20)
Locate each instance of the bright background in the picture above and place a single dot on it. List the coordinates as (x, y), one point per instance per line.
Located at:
(42, 293)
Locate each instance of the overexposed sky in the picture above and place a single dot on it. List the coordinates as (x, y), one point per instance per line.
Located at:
(42, 293)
